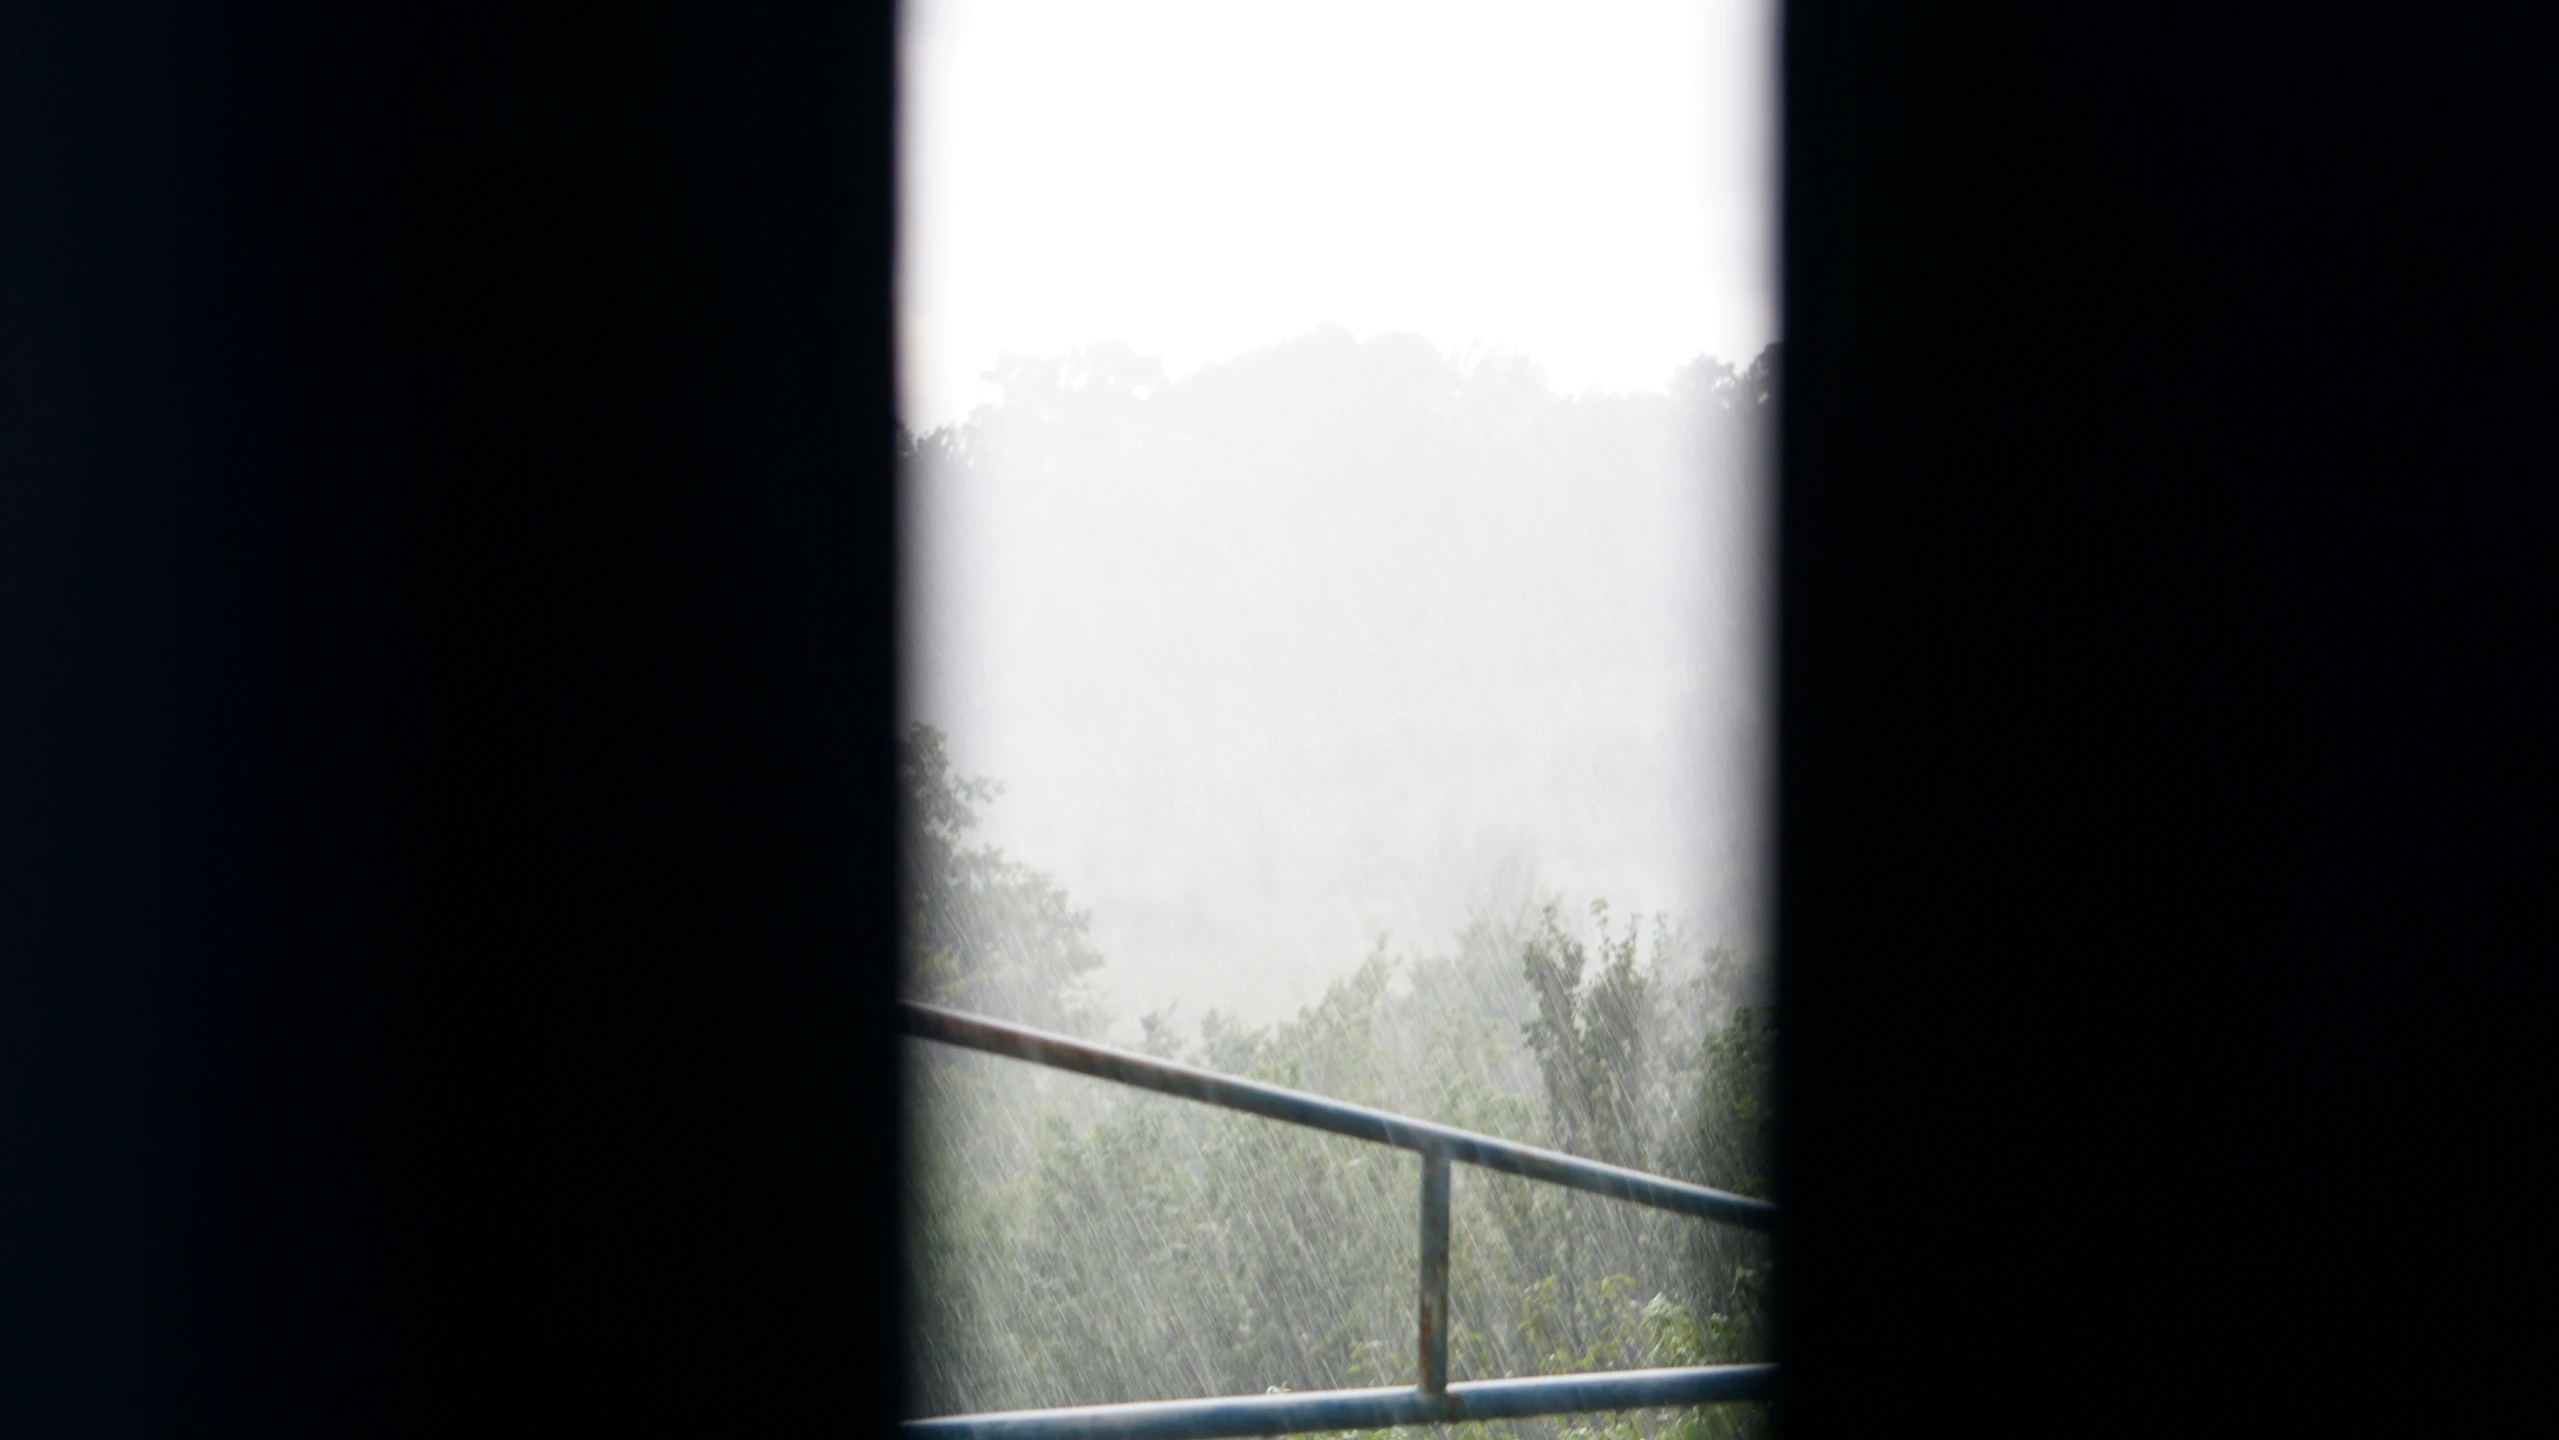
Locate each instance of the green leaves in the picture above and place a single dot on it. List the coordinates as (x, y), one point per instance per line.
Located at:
(1126, 1246)
(1591, 1041)
(985, 932)
(1078, 1243)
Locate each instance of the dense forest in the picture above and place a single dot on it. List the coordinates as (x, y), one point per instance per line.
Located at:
(1077, 1243)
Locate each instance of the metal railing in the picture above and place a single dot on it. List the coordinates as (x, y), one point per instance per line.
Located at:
(1433, 1400)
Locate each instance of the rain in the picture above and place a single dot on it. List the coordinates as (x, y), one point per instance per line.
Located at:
(1342, 698)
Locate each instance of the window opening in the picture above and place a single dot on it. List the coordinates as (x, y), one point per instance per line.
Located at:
(1336, 442)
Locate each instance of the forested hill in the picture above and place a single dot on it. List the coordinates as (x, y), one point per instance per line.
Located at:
(1341, 637)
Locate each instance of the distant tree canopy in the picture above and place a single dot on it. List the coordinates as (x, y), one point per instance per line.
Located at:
(985, 932)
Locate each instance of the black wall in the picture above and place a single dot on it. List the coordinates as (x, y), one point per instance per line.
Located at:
(448, 656)
(450, 548)
(2163, 823)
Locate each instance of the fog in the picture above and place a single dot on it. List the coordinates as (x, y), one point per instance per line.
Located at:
(1315, 532)
(1335, 472)
(1343, 640)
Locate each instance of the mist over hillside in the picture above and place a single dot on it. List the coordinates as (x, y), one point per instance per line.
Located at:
(1341, 639)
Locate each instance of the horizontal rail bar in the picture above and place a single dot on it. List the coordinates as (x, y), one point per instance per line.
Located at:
(1363, 1409)
(1296, 1107)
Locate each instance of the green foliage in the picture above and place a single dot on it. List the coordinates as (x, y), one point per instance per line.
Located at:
(985, 932)
(1590, 1039)
(1080, 1243)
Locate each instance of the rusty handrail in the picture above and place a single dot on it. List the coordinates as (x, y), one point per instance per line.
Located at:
(1433, 1399)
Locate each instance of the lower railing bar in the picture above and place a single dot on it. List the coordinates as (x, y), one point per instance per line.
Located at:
(1364, 1409)
(1276, 1102)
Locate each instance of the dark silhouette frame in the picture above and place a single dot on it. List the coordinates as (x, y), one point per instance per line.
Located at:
(450, 560)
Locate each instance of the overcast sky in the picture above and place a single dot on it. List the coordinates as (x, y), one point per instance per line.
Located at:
(1584, 185)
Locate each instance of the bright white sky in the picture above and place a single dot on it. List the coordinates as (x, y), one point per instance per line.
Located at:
(1586, 184)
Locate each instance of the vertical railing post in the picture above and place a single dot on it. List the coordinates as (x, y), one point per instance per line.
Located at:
(1434, 1326)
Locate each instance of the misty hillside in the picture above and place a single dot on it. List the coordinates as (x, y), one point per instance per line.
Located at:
(1074, 1242)
(1341, 638)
